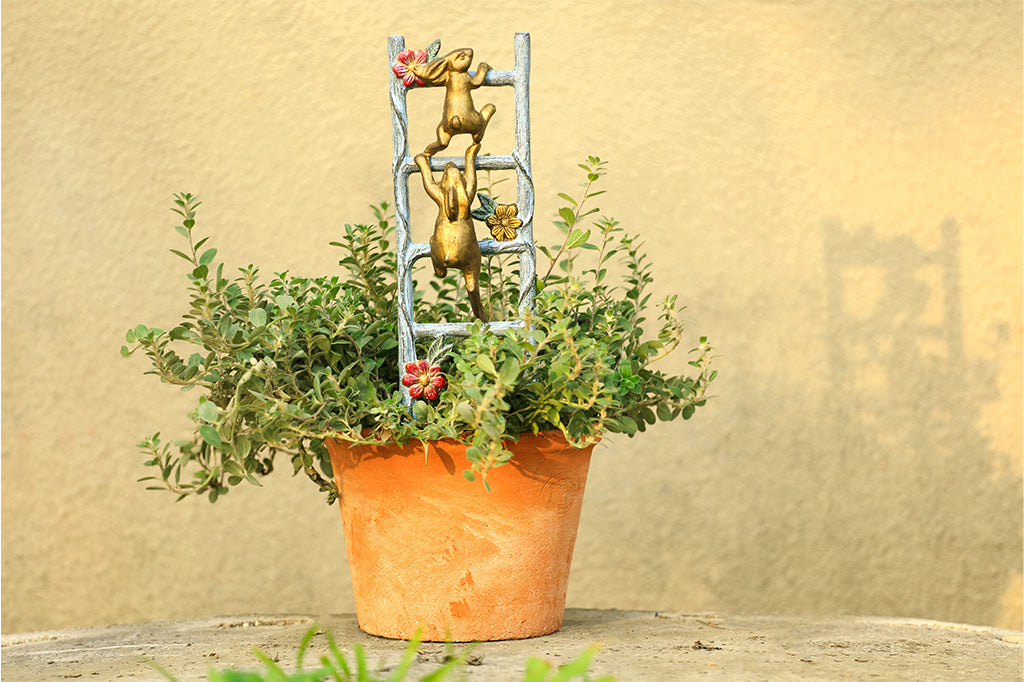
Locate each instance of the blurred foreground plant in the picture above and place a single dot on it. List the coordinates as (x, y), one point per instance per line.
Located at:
(334, 666)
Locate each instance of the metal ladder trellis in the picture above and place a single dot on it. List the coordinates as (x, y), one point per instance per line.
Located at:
(403, 166)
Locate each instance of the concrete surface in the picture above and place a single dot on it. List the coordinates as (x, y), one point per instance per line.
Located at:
(635, 645)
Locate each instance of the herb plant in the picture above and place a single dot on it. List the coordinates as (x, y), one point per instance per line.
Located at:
(280, 364)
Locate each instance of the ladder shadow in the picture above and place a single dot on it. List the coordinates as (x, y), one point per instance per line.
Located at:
(907, 400)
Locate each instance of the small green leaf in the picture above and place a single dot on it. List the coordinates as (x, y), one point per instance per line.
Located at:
(481, 214)
(577, 238)
(485, 363)
(469, 475)
(567, 215)
(486, 201)
(258, 317)
(210, 435)
(509, 371)
(465, 412)
(208, 412)
(207, 257)
(433, 49)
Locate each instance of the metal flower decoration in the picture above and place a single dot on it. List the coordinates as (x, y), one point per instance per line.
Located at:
(406, 64)
(423, 379)
(504, 223)
(502, 219)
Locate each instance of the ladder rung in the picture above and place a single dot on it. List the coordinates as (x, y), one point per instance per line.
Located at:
(506, 162)
(499, 77)
(431, 330)
(488, 247)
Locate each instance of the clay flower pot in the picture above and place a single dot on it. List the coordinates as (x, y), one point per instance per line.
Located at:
(428, 548)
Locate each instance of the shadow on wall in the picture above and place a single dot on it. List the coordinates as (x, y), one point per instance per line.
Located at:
(918, 501)
(874, 493)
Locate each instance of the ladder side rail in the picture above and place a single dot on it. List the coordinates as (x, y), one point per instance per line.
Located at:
(524, 174)
(400, 173)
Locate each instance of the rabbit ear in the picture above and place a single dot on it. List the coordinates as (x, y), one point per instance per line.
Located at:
(451, 202)
(435, 72)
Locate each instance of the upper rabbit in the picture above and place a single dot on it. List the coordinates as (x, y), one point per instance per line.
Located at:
(460, 114)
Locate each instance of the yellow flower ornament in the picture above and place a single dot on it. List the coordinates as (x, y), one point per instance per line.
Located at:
(504, 223)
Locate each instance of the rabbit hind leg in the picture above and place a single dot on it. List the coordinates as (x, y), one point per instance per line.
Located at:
(443, 138)
(440, 269)
(485, 114)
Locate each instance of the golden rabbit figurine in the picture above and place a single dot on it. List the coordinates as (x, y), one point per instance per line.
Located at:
(454, 244)
(460, 114)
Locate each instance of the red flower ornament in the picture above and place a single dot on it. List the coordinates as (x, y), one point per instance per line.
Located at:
(406, 64)
(422, 380)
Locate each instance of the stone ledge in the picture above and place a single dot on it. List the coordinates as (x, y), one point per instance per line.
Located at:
(635, 645)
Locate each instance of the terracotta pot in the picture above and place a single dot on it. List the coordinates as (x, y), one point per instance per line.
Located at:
(429, 549)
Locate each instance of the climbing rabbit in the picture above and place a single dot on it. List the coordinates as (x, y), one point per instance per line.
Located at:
(454, 244)
(460, 115)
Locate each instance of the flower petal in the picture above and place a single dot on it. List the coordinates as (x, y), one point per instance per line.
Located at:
(503, 232)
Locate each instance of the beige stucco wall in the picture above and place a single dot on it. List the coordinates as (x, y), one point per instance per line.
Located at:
(833, 188)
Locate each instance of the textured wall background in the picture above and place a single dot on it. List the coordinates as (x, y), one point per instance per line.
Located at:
(834, 189)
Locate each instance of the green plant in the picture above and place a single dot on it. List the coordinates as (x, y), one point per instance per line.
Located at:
(334, 666)
(280, 365)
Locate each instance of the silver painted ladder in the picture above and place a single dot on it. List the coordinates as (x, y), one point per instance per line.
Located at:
(403, 166)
